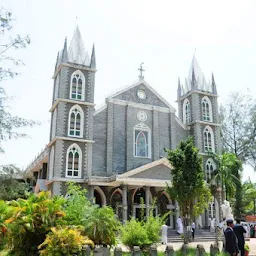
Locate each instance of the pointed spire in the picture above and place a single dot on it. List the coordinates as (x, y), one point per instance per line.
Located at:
(76, 52)
(179, 89)
(65, 52)
(93, 58)
(57, 61)
(193, 80)
(214, 89)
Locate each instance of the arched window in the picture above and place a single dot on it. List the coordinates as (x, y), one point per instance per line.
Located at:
(208, 139)
(74, 161)
(142, 141)
(76, 121)
(210, 167)
(186, 112)
(77, 85)
(206, 109)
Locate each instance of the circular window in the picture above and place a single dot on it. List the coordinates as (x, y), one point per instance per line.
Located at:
(141, 94)
(142, 116)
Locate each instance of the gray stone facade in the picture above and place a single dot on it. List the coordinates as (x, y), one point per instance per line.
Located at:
(110, 166)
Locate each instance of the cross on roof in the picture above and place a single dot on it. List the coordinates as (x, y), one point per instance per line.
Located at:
(141, 77)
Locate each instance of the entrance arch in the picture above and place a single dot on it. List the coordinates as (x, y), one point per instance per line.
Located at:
(99, 197)
(116, 202)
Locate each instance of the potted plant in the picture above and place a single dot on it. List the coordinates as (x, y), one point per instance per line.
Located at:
(246, 249)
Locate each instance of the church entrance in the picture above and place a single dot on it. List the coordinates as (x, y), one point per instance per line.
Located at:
(139, 207)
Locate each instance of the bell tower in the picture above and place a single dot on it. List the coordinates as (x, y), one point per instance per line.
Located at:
(198, 109)
(71, 135)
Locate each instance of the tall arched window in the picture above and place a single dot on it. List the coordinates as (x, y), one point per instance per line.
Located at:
(74, 161)
(206, 109)
(208, 139)
(142, 141)
(186, 112)
(210, 167)
(76, 120)
(77, 86)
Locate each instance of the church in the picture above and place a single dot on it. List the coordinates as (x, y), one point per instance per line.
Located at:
(116, 151)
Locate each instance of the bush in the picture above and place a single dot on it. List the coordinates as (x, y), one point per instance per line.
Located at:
(153, 227)
(134, 233)
(64, 241)
(101, 226)
(31, 220)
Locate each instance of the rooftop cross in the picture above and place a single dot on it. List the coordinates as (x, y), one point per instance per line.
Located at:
(141, 77)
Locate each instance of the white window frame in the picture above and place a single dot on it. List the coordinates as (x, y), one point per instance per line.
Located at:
(74, 145)
(77, 72)
(80, 110)
(209, 162)
(208, 130)
(186, 115)
(142, 127)
(206, 117)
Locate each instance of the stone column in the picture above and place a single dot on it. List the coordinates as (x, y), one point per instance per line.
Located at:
(91, 193)
(155, 135)
(177, 212)
(147, 200)
(125, 206)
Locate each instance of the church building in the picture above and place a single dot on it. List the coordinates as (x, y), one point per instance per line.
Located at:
(117, 151)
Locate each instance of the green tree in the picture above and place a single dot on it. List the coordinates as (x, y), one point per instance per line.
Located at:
(9, 124)
(248, 198)
(238, 130)
(228, 176)
(188, 185)
(13, 183)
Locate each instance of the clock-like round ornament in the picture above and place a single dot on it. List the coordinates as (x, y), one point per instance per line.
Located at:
(142, 116)
(141, 94)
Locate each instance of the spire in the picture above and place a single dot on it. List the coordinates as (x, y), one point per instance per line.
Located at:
(214, 89)
(93, 58)
(193, 80)
(57, 61)
(76, 52)
(179, 89)
(65, 52)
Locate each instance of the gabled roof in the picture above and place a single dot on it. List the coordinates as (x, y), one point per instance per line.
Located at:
(137, 83)
(162, 161)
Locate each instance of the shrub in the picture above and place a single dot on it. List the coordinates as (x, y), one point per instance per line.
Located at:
(101, 226)
(64, 241)
(134, 233)
(153, 227)
(31, 220)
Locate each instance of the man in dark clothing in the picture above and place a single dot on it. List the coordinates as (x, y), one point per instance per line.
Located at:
(239, 231)
(231, 245)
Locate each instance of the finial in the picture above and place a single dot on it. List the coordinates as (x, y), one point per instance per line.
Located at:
(141, 77)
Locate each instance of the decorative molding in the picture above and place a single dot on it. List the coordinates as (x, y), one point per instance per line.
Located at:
(139, 105)
(69, 139)
(196, 91)
(71, 65)
(57, 101)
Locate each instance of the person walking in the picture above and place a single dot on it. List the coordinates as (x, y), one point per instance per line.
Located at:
(231, 245)
(164, 229)
(193, 227)
(240, 231)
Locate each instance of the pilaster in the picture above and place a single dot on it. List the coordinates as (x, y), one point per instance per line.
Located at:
(155, 135)
(110, 120)
(147, 201)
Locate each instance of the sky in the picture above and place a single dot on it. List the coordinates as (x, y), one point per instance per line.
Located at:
(163, 34)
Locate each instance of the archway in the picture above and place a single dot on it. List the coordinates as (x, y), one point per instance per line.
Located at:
(116, 202)
(99, 197)
(139, 196)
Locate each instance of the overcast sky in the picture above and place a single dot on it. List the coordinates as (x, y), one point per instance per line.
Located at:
(162, 34)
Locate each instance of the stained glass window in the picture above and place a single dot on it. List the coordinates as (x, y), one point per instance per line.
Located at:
(208, 139)
(142, 141)
(74, 162)
(206, 109)
(76, 122)
(77, 86)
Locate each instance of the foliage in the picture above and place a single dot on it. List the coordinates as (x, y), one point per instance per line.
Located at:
(13, 183)
(248, 198)
(238, 120)
(77, 206)
(8, 122)
(31, 220)
(246, 247)
(134, 233)
(188, 185)
(64, 241)
(228, 176)
(5, 213)
(101, 226)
